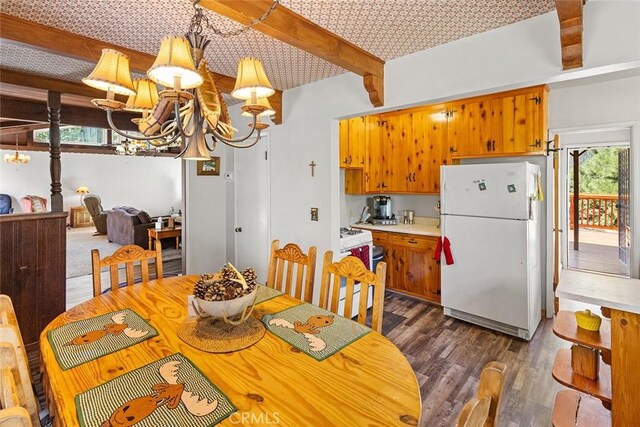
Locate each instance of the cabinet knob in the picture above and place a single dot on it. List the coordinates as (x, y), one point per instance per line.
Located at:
(412, 241)
(493, 145)
(350, 159)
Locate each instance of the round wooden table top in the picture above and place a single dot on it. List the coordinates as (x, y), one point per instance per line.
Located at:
(369, 382)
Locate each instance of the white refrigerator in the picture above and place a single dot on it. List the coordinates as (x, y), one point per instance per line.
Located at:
(490, 215)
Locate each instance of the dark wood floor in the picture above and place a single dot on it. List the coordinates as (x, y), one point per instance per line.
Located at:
(448, 355)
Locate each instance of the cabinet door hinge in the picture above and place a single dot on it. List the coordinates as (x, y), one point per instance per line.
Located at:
(536, 99)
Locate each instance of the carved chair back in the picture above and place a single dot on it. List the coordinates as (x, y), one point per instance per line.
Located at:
(482, 411)
(286, 259)
(126, 255)
(356, 275)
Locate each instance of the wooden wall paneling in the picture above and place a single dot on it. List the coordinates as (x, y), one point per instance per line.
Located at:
(344, 143)
(357, 141)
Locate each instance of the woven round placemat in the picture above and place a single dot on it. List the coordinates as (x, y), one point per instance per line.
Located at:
(216, 336)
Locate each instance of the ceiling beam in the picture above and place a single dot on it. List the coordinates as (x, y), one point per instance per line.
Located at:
(46, 83)
(65, 43)
(287, 26)
(22, 109)
(11, 130)
(570, 13)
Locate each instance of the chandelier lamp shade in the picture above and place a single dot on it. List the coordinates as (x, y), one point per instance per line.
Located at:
(145, 98)
(174, 67)
(112, 74)
(179, 101)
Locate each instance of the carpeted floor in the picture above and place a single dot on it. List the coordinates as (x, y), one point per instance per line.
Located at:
(80, 242)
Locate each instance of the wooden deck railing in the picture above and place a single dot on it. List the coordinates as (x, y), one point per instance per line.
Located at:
(595, 211)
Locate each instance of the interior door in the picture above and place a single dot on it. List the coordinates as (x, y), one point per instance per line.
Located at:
(252, 206)
(624, 223)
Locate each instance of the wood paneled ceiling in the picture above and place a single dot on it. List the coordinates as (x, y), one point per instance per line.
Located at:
(386, 28)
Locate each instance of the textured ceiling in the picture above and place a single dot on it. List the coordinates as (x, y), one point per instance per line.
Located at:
(386, 28)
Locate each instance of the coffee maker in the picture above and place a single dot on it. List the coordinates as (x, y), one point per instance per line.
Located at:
(380, 206)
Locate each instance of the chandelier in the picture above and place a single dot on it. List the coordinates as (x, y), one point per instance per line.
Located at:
(17, 158)
(190, 111)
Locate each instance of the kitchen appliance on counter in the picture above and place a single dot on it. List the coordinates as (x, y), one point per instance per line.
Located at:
(382, 212)
(354, 241)
(490, 216)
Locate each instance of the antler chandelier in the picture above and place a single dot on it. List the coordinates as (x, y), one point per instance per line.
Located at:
(190, 108)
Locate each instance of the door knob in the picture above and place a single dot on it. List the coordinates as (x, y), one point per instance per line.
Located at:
(238, 230)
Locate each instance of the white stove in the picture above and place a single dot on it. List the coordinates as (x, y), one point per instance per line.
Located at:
(352, 238)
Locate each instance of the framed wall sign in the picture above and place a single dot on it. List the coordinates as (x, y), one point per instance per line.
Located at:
(209, 167)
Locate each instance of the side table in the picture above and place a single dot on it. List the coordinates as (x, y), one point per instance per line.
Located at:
(164, 233)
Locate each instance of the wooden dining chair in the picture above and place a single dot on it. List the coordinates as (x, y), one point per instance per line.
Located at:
(13, 356)
(353, 270)
(15, 391)
(489, 394)
(127, 255)
(287, 258)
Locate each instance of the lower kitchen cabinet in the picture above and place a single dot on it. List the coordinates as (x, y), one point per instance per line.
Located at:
(411, 268)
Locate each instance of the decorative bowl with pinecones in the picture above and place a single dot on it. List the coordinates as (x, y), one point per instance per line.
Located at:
(228, 294)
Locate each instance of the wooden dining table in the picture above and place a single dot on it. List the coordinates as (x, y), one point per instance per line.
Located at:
(369, 382)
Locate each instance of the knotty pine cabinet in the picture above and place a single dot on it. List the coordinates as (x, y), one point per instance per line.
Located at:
(411, 268)
(402, 151)
(352, 142)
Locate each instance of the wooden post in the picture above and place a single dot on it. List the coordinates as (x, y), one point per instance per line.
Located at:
(576, 199)
(55, 167)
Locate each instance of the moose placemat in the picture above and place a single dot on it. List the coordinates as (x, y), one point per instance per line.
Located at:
(314, 331)
(85, 340)
(168, 392)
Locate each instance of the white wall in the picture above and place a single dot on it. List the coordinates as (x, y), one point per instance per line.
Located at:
(148, 183)
(517, 55)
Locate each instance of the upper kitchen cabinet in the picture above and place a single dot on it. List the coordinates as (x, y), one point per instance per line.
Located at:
(353, 135)
(402, 151)
(429, 150)
(510, 123)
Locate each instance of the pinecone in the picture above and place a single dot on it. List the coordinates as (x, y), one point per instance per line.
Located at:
(250, 276)
(200, 289)
(210, 294)
(227, 272)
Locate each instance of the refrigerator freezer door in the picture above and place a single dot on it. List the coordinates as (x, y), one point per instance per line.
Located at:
(489, 277)
(486, 190)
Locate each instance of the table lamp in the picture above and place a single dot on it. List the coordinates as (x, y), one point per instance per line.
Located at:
(82, 190)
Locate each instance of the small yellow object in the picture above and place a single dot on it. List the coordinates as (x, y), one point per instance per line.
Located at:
(587, 320)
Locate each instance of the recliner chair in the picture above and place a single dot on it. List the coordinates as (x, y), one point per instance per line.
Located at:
(98, 215)
(5, 204)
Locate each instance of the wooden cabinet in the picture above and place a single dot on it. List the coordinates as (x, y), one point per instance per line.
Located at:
(353, 134)
(402, 151)
(80, 217)
(411, 268)
(33, 269)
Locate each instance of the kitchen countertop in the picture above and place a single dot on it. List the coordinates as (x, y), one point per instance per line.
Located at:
(606, 291)
(426, 228)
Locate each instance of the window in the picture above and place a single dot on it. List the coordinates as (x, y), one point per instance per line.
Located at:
(74, 135)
